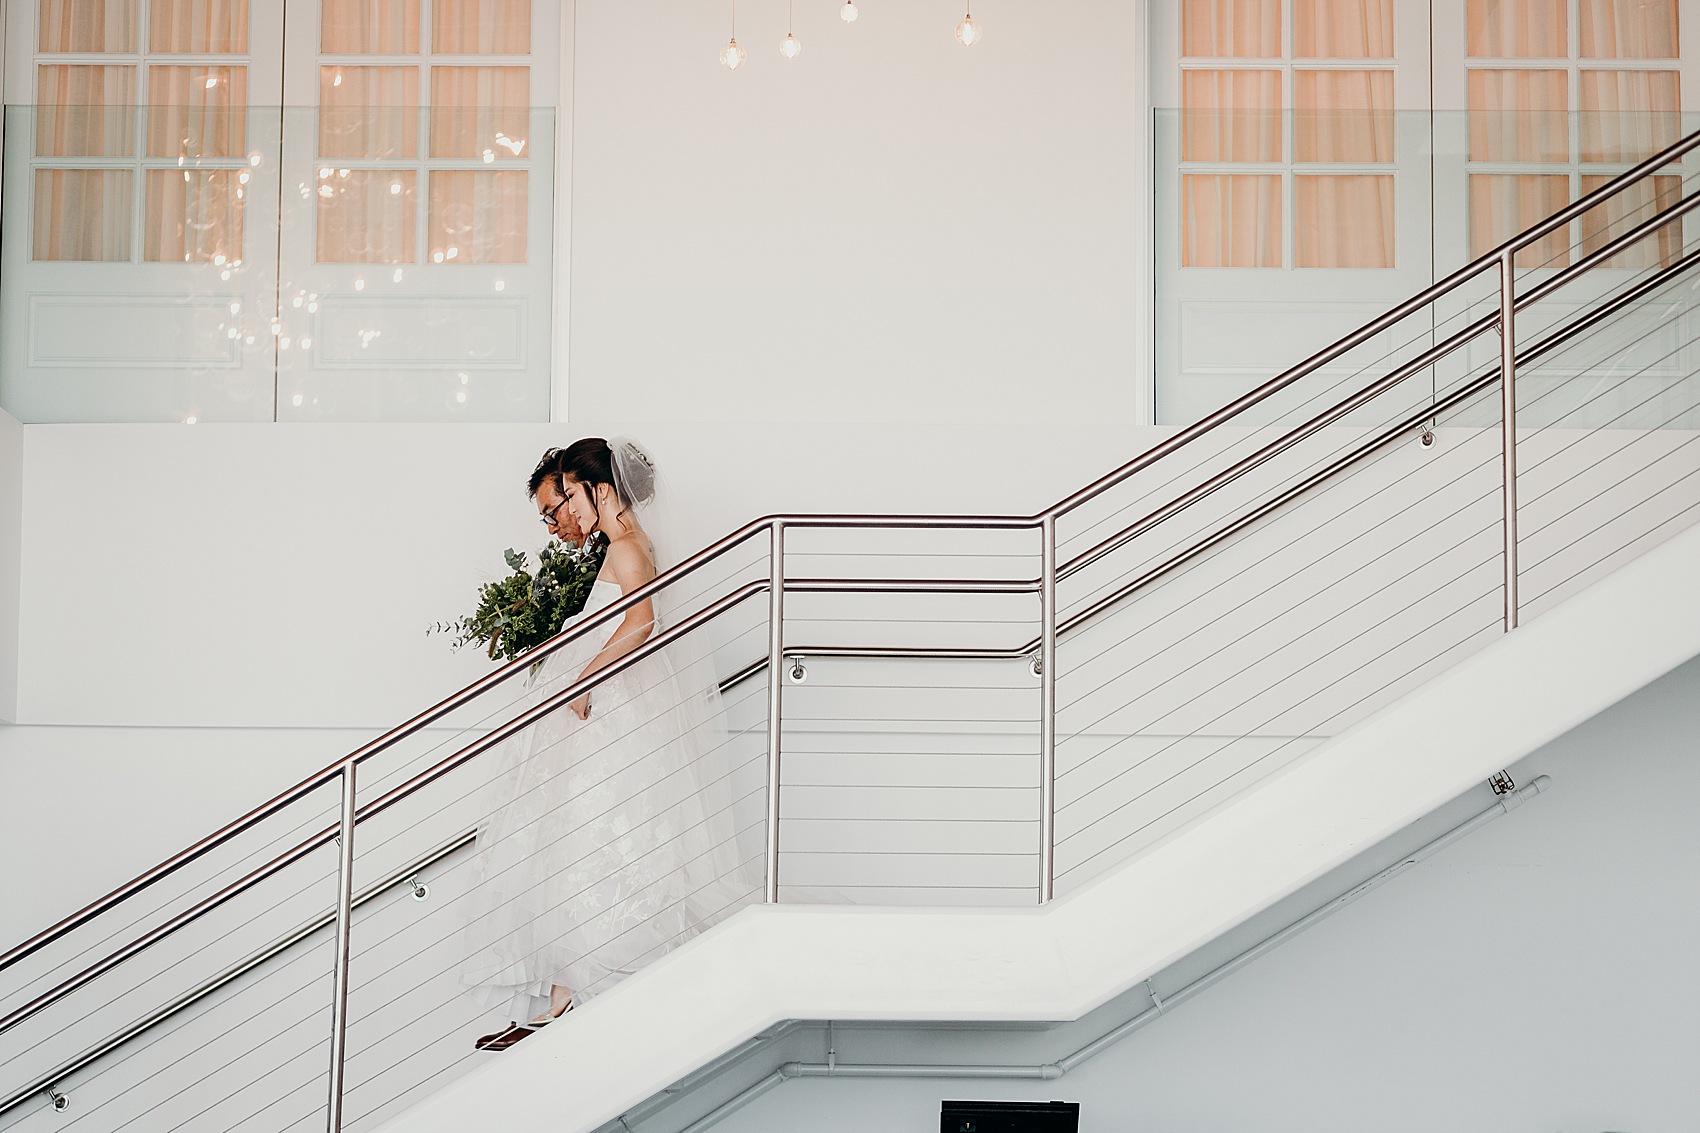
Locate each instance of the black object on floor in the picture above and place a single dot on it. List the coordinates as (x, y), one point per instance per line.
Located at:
(1010, 1117)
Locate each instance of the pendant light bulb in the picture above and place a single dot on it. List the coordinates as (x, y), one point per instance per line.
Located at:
(790, 48)
(733, 56)
(968, 32)
(848, 13)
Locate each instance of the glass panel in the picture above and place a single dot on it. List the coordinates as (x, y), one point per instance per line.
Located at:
(201, 27)
(366, 216)
(1624, 210)
(368, 112)
(480, 112)
(1518, 29)
(1629, 29)
(1502, 205)
(1230, 220)
(86, 25)
(1343, 221)
(193, 216)
(1519, 115)
(369, 27)
(481, 27)
(86, 111)
(82, 214)
(1247, 29)
(1231, 116)
(478, 217)
(1343, 29)
(197, 111)
(1343, 116)
(1629, 115)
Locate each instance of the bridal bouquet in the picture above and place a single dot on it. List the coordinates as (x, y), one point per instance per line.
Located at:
(520, 612)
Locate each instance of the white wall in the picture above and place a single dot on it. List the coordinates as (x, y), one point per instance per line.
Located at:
(890, 227)
(11, 558)
(255, 576)
(1536, 976)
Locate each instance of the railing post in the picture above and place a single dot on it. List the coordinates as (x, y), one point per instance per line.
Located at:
(344, 922)
(1508, 424)
(1048, 710)
(775, 690)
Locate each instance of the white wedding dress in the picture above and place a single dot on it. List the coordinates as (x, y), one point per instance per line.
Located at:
(610, 841)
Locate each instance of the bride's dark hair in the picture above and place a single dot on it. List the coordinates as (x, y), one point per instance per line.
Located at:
(590, 462)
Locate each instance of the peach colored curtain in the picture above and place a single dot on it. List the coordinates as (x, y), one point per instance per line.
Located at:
(478, 217)
(481, 27)
(197, 111)
(1625, 209)
(86, 25)
(369, 27)
(1502, 205)
(1230, 221)
(1519, 115)
(82, 214)
(1343, 221)
(1629, 115)
(1231, 116)
(1343, 116)
(1220, 29)
(367, 216)
(1343, 29)
(194, 216)
(368, 112)
(1629, 29)
(1517, 29)
(200, 27)
(480, 112)
(85, 111)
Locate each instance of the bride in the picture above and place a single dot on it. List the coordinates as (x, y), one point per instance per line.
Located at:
(612, 840)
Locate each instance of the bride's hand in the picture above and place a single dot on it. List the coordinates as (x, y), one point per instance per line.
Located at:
(580, 706)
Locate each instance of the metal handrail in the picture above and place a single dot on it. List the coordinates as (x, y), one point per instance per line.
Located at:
(233, 973)
(1411, 423)
(776, 585)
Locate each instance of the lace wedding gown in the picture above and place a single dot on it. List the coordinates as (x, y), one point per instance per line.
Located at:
(611, 839)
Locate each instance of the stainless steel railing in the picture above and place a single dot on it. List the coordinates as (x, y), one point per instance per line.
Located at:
(1053, 623)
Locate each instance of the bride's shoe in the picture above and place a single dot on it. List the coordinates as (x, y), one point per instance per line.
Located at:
(502, 1040)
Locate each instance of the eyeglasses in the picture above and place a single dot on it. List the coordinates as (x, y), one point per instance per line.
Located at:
(548, 517)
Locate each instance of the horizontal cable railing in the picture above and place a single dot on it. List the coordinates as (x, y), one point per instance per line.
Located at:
(1279, 599)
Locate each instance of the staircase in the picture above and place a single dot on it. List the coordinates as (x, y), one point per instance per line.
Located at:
(1031, 760)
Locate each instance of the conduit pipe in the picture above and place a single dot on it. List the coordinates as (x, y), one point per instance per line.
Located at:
(1160, 1006)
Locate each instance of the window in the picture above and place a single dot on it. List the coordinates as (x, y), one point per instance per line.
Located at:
(1562, 95)
(345, 215)
(1261, 188)
(140, 143)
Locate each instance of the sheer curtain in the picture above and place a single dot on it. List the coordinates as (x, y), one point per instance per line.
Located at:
(1517, 29)
(1230, 220)
(1615, 29)
(369, 27)
(86, 26)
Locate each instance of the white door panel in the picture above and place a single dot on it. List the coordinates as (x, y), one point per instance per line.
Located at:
(420, 333)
